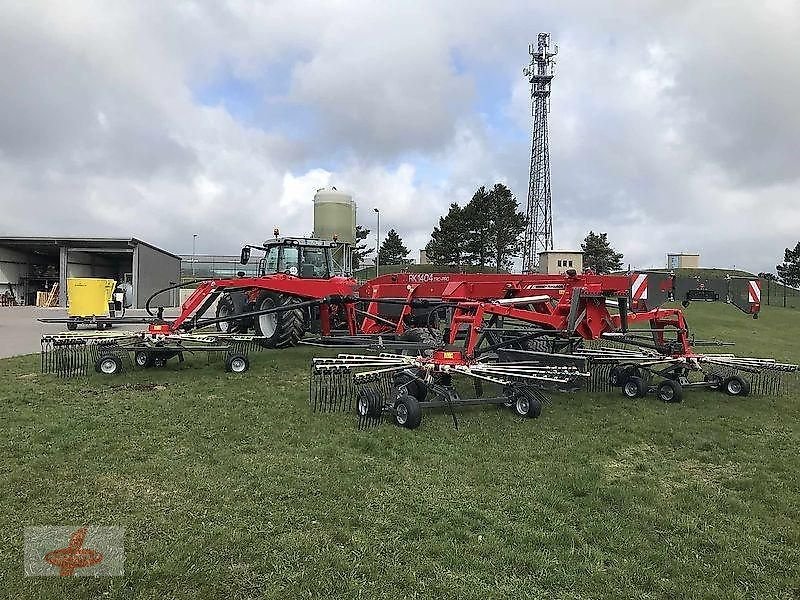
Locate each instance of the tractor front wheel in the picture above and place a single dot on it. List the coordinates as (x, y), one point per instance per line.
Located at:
(282, 328)
(226, 307)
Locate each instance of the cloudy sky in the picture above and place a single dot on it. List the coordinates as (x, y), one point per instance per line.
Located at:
(674, 125)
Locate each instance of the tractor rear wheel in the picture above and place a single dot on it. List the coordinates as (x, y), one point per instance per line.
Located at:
(279, 329)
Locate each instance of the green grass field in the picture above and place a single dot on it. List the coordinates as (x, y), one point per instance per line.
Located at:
(228, 486)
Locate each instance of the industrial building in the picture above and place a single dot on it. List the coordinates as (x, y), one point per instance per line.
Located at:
(683, 260)
(42, 264)
(558, 262)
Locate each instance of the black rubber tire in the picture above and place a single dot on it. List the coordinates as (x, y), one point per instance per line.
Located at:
(714, 380)
(419, 335)
(634, 387)
(289, 324)
(72, 325)
(408, 412)
(143, 359)
(368, 407)
(736, 386)
(108, 365)
(617, 376)
(670, 391)
(237, 363)
(526, 407)
(412, 387)
(226, 307)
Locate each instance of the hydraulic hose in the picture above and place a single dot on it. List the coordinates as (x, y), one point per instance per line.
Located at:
(170, 288)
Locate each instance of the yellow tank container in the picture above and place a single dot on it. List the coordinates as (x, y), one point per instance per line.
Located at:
(89, 297)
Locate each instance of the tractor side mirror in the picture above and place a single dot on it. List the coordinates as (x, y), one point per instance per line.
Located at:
(245, 258)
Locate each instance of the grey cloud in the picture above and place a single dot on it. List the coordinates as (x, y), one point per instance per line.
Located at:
(673, 123)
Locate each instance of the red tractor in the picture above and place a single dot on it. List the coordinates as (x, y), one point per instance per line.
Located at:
(293, 274)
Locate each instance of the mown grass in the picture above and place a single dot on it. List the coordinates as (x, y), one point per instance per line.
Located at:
(228, 486)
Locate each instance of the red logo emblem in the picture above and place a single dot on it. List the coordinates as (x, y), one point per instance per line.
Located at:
(74, 556)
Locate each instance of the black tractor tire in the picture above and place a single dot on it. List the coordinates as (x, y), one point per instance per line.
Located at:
(108, 365)
(411, 386)
(407, 412)
(227, 307)
(670, 391)
(736, 386)
(237, 363)
(288, 324)
(634, 387)
(541, 343)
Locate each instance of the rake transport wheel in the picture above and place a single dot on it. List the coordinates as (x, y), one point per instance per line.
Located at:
(108, 365)
(419, 335)
(714, 381)
(526, 406)
(369, 404)
(406, 384)
(237, 363)
(736, 386)
(616, 377)
(407, 412)
(144, 359)
(279, 329)
(634, 387)
(669, 391)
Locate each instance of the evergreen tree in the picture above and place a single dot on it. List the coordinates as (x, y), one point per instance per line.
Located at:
(392, 251)
(506, 226)
(478, 228)
(598, 254)
(360, 249)
(789, 271)
(448, 239)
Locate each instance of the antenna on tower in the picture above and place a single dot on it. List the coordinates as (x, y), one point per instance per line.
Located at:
(539, 227)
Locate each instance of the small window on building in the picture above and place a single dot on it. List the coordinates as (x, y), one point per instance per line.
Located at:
(570, 263)
(559, 263)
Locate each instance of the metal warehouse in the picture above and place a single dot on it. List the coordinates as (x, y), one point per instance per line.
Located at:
(42, 264)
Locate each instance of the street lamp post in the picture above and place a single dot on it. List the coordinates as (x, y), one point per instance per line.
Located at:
(378, 245)
(194, 247)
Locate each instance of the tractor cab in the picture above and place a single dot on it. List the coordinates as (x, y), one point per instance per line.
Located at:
(307, 258)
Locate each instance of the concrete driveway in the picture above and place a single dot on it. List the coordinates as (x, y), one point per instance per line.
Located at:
(20, 332)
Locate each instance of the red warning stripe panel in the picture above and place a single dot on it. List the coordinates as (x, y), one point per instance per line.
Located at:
(754, 291)
(639, 287)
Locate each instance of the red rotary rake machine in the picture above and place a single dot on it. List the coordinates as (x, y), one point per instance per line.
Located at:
(539, 333)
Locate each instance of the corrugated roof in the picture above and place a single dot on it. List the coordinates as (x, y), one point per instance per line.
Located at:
(78, 242)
